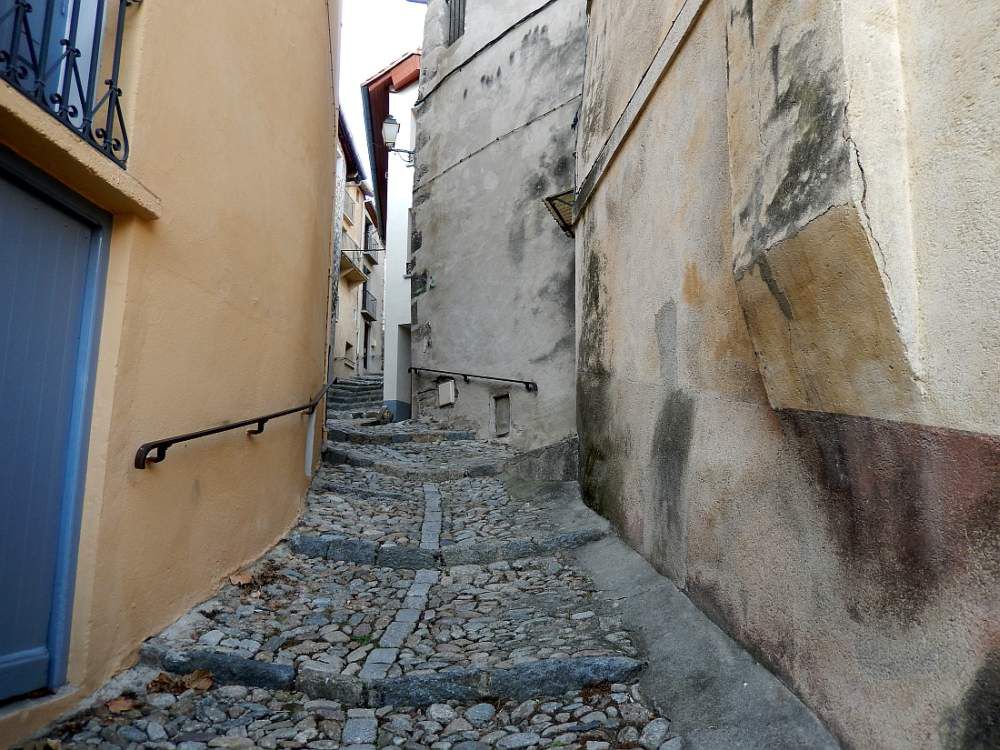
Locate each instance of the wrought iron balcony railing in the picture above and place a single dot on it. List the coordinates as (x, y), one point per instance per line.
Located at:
(369, 305)
(63, 55)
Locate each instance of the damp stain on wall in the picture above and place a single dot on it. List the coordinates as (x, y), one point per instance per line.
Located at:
(907, 507)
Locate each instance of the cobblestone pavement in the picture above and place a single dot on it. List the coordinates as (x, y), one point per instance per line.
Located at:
(410, 607)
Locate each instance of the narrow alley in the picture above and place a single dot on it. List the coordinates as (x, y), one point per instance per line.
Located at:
(430, 595)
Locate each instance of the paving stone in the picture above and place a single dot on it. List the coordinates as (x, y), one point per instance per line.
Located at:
(519, 740)
(441, 712)
(654, 734)
(383, 655)
(397, 632)
(480, 714)
(359, 731)
(413, 558)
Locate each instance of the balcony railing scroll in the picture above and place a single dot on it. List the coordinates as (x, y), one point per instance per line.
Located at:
(56, 52)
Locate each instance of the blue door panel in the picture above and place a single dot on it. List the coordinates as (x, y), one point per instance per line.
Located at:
(46, 269)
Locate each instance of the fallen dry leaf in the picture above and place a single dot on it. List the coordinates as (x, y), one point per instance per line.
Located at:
(121, 704)
(165, 683)
(243, 578)
(200, 679)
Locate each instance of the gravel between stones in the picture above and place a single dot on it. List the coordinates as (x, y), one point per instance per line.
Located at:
(357, 621)
(612, 716)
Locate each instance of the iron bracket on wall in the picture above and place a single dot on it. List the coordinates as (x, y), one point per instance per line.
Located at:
(143, 458)
(529, 385)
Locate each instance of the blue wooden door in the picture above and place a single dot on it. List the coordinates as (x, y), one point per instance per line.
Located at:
(51, 269)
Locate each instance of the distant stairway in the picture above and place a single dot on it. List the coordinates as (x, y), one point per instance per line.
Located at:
(355, 398)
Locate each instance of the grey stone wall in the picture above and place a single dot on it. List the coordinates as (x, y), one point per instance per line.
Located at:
(495, 136)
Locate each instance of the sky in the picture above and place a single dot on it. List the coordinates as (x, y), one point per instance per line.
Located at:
(374, 34)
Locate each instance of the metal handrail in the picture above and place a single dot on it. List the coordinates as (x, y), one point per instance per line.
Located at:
(530, 385)
(142, 457)
(370, 304)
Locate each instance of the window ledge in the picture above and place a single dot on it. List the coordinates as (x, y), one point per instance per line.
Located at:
(55, 149)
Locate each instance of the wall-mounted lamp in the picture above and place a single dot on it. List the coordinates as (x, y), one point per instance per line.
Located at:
(390, 132)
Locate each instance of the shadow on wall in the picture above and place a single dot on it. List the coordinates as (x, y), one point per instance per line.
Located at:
(975, 724)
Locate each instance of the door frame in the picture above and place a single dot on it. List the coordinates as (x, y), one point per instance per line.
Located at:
(44, 187)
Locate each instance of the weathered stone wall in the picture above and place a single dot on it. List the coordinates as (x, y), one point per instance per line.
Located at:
(495, 136)
(787, 315)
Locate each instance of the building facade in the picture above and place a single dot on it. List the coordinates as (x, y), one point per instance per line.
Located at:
(358, 301)
(788, 346)
(164, 261)
(786, 314)
(493, 274)
(392, 92)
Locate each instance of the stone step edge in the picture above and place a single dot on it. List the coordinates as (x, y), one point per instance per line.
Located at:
(406, 557)
(543, 678)
(348, 415)
(348, 489)
(339, 435)
(334, 456)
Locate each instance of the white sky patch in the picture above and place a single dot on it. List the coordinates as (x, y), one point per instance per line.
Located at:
(374, 34)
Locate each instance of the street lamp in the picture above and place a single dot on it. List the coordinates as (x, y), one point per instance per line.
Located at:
(390, 132)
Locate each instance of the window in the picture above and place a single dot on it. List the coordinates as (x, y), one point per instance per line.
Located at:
(350, 207)
(501, 415)
(456, 20)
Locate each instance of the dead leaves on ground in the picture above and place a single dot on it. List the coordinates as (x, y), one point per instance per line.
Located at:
(200, 679)
(248, 579)
(243, 578)
(121, 704)
(251, 580)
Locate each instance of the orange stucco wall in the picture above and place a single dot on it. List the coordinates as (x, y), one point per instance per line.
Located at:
(215, 311)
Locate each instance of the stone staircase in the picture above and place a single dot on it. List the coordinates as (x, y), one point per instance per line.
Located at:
(355, 398)
(428, 597)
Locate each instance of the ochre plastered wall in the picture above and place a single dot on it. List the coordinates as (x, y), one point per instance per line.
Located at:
(349, 322)
(810, 452)
(217, 310)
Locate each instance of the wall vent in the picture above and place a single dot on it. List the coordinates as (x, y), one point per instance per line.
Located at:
(501, 415)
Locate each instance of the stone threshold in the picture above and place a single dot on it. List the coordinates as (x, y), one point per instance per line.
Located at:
(542, 678)
(358, 437)
(405, 557)
(333, 456)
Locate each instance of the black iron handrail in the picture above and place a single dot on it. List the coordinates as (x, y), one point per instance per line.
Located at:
(530, 385)
(51, 52)
(142, 457)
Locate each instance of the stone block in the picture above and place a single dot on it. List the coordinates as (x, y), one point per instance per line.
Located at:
(229, 669)
(319, 680)
(406, 558)
(352, 550)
